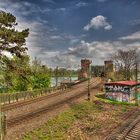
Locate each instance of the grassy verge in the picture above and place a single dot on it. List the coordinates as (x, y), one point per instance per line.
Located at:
(82, 121)
(56, 128)
(101, 97)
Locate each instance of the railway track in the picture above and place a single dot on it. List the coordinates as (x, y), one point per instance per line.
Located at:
(129, 130)
(45, 109)
(30, 101)
(134, 133)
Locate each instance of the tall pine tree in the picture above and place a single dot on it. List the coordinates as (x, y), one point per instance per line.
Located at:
(11, 40)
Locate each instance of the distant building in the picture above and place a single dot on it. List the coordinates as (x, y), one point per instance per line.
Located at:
(108, 65)
(123, 91)
(85, 66)
(97, 70)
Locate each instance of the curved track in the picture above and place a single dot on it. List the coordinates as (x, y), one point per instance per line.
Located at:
(129, 129)
(81, 92)
(132, 132)
(29, 101)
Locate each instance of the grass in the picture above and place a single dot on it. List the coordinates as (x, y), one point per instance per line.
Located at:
(56, 128)
(82, 121)
(101, 97)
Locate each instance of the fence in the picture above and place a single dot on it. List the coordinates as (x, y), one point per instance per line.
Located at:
(7, 98)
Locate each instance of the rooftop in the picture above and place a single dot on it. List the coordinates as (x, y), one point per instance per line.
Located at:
(126, 83)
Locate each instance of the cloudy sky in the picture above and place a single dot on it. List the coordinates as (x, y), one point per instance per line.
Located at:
(64, 31)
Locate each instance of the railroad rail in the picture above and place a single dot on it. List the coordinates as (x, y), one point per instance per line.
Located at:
(132, 132)
(8, 98)
(129, 129)
(29, 101)
(35, 113)
(40, 98)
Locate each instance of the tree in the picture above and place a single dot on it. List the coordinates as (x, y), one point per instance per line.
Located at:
(125, 63)
(11, 40)
(16, 73)
(97, 70)
(40, 77)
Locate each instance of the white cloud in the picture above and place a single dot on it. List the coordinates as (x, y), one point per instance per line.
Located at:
(55, 37)
(36, 36)
(49, 1)
(97, 23)
(108, 27)
(63, 60)
(94, 49)
(97, 51)
(22, 8)
(8, 54)
(61, 9)
(43, 36)
(134, 36)
(135, 45)
(134, 22)
(73, 41)
(81, 4)
(101, 0)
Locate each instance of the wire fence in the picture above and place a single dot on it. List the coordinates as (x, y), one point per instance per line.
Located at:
(7, 98)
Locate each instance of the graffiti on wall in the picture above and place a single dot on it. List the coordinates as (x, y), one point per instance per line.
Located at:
(118, 96)
(113, 96)
(125, 97)
(117, 88)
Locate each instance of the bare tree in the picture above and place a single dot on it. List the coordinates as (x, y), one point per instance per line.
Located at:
(125, 62)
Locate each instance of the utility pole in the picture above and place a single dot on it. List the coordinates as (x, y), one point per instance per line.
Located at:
(70, 76)
(136, 78)
(2, 124)
(88, 88)
(56, 76)
(89, 96)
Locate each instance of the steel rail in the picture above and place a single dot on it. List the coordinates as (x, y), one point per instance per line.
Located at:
(20, 118)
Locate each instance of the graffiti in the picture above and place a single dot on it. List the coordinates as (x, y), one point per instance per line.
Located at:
(125, 98)
(111, 96)
(118, 96)
(117, 88)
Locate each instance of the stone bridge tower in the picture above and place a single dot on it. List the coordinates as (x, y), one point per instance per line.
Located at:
(108, 67)
(85, 66)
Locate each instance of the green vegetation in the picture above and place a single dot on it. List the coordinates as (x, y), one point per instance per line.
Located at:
(97, 70)
(56, 128)
(11, 40)
(17, 72)
(82, 121)
(63, 72)
(101, 97)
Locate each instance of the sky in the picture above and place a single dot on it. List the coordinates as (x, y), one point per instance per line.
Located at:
(62, 32)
